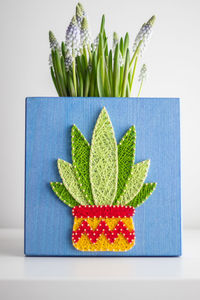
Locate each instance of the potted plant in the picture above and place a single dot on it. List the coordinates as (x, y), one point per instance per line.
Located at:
(103, 186)
(99, 175)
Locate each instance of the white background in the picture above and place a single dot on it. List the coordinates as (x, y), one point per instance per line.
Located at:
(173, 64)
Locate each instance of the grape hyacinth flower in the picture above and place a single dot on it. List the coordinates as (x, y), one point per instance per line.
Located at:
(95, 43)
(142, 77)
(85, 34)
(80, 14)
(144, 35)
(53, 46)
(143, 73)
(115, 40)
(52, 41)
(68, 61)
(73, 37)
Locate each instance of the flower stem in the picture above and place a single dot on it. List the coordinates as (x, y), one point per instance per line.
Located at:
(74, 75)
(141, 84)
(133, 74)
(135, 53)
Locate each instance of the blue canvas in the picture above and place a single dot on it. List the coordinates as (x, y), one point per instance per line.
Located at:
(48, 222)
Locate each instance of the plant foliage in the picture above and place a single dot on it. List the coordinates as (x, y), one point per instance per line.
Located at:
(103, 173)
(81, 67)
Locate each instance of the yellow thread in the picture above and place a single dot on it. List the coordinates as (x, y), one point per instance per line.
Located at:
(103, 244)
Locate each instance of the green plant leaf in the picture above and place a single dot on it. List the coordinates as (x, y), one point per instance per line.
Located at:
(71, 86)
(103, 161)
(110, 71)
(126, 157)
(121, 46)
(116, 73)
(126, 44)
(107, 84)
(68, 176)
(55, 82)
(62, 61)
(63, 194)
(87, 84)
(102, 24)
(134, 182)
(99, 78)
(146, 190)
(126, 71)
(80, 158)
(63, 48)
(57, 66)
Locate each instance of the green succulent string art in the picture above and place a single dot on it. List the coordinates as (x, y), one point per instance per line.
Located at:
(103, 185)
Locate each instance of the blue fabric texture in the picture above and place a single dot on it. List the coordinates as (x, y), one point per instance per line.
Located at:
(48, 222)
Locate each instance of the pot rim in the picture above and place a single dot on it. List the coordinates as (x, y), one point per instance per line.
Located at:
(103, 211)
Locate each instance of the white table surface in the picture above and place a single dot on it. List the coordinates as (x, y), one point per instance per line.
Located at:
(98, 278)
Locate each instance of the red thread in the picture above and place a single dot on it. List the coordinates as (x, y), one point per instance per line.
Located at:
(103, 228)
(100, 211)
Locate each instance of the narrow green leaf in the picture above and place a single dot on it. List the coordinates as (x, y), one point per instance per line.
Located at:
(121, 46)
(84, 63)
(80, 158)
(59, 72)
(79, 64)
(64, 72)
(128, 92)
(121, 78)
(85, 57)
(81, 85)
(87, 84)
(103, 161)
(100, 47)
(107, 84)
(56, 73)
(126, 71)
(70, 182)
(63, 48)
(126, 43)
(63, 194)
(106, 50)
(116, 73)
(55, 82)
(99, 79)
(146, 190)
(134, 182)
(102, 24)
(71, 86)
(93, 74)
(110, 71)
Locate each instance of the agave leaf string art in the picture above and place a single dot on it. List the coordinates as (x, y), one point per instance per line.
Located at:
(103, 161)
(103, 186)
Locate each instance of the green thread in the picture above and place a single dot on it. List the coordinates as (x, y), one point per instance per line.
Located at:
(103, 174)
(126, 158)
(146, 190)
(80, 158)
(134, 182)
(68, 176)
(63, 194)
(103, 161)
